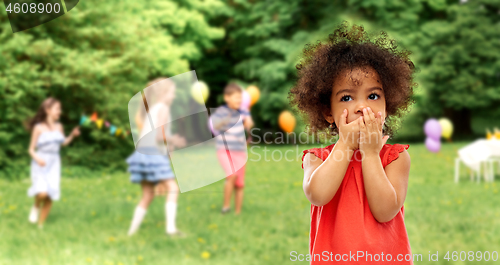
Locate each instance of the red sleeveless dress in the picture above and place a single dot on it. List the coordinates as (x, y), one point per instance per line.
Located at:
(345, 231)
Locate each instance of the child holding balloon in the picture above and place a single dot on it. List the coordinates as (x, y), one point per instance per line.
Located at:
(47, 136)
(356, 87)
(233, 145)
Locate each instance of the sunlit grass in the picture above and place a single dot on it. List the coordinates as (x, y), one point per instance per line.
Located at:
(89, 224)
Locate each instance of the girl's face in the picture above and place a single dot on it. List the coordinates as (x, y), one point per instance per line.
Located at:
(355, 90)
(234, 100)
(169, 96)
(54, 111)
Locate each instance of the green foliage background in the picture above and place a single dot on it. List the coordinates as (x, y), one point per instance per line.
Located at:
(102, 52)
(95, 58)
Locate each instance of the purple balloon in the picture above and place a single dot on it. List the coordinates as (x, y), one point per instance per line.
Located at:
(432, 129)
(432, 145)
(210, 125)
(245, 103)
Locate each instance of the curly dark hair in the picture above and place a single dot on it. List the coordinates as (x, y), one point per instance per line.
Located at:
(350, 47)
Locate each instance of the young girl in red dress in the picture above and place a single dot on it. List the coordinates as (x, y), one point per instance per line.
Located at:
(358, 88)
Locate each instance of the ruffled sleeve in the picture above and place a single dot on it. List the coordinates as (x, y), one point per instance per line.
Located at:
(392, 152)
(319, 152)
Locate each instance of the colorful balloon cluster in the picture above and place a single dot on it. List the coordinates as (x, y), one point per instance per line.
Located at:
(434, 129)
(113, 130)
(250, 96)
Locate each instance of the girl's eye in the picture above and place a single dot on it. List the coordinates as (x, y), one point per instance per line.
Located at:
(373, 96)
(346, 98)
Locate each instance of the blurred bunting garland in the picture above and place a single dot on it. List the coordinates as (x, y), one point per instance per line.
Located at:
(99, 123)
(113, 130)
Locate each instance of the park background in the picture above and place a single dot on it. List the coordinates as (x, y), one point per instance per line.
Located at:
(97, 56)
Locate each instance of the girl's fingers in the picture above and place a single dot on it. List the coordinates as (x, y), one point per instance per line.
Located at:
(362, 125)
(366, 117)
(343, 117)
(374, 120)
(384, 139)
(372, 115)
(379, 121)
(362, 128)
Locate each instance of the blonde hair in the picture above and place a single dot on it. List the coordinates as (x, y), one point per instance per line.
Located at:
(151, 92)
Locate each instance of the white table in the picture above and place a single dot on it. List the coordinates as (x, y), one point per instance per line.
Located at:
(480, 155)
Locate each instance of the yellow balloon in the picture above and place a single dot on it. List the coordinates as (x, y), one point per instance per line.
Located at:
(287, 121)
(254, 93)
(446, 128)
(199, 92)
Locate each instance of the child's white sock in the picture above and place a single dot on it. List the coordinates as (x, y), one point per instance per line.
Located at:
(34, 214)
(139, 214)
(170, 211)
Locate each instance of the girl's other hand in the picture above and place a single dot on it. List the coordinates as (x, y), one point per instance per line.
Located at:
(349, 132)
(40, 162)
(179, 141)
(248, 123)
(76, 131)
(371, 138)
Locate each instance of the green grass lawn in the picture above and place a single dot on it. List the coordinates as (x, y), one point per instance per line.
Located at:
(89, 224)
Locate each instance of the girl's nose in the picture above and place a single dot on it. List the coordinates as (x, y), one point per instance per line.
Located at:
(359, 109)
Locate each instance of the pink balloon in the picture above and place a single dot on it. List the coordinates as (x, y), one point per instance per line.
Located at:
(432, 129)
(245, 103)
(211, 127)
(432, 145)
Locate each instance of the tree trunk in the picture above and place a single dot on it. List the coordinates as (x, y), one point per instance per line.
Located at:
(461, 120)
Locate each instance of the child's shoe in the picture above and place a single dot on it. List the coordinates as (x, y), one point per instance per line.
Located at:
(33, 218)
(225, 210)
(176, 233)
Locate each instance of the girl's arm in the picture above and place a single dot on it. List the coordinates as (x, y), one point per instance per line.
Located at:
(74, 132)
(220, 124)
(165, 135)
(322, 178)
(31, 150)
(161, 118)
(386, 189)
(163, 115)
(138, 120)
(248, 122)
